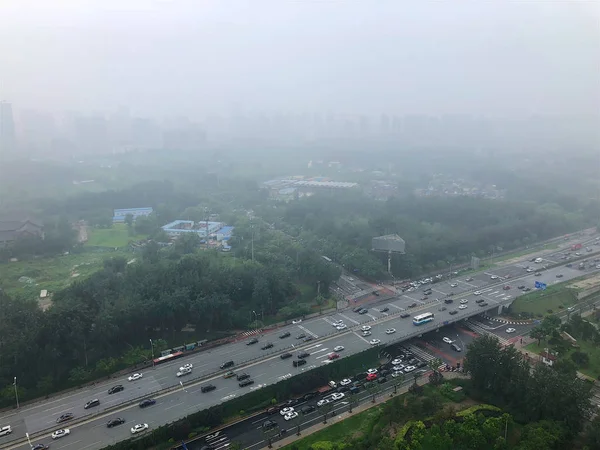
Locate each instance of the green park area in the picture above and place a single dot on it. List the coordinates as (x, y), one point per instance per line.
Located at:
(115, 237)
(26, 278)
(549, 301)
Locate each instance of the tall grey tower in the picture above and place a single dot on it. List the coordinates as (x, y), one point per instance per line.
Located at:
(7, 130)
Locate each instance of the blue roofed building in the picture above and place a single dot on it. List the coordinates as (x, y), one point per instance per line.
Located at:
(120, 214)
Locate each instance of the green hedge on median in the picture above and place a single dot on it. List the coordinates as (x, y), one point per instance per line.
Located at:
(252, 402)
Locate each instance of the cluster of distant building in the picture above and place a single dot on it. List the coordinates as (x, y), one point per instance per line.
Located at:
(290, 188)
(443, 186)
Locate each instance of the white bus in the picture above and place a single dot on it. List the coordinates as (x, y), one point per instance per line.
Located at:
(423, 318)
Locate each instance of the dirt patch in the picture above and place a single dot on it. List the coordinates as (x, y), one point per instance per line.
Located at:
(587, 283)
(44, 303)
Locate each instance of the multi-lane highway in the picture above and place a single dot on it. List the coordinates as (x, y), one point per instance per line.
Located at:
(265, 366)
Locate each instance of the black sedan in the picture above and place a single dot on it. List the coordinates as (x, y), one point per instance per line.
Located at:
(115, 389)
(147, 402)
(115, 422)
(65, 417)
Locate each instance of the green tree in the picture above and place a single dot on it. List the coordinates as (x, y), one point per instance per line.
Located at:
(580, 358)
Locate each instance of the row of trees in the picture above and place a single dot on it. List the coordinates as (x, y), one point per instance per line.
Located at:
(438, 232)
(103, 323)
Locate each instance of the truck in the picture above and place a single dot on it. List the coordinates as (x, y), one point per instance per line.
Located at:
(576, 246)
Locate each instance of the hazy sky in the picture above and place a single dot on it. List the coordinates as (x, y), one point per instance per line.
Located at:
(403, 56)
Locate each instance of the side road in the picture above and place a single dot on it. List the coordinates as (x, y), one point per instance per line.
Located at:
(358, 409)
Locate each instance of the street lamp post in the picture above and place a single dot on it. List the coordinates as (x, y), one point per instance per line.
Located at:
(152, 347)
(29, 440)
(16, 392)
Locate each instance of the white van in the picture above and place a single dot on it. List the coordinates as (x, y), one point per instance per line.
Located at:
(538, 260)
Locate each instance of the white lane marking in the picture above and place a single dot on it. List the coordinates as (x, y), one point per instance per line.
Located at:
(314, 346)
(319, 351)
(348, 318)
(307, 331)
(372, 317)
(396, 306)
(72, 443)
(358, 335)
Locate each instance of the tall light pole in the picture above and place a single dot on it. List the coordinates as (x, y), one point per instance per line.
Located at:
(28, 440)
(16, 392)
(152, 347)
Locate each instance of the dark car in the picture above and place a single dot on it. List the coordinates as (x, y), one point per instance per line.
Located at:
(421, 364)
(386, 309)
(243, 376)
(354, 390)
(246, 383)
(40, 447)
(521, 287)
(252, 341)
(64, 417)
(448, 301)
(343, 389)
(227, 364)
(404, 315)
(412, 305)
(290, 402)
(208, 388)
(147, 402)
(479, 300)
(453, 312)
(272, 410)
(382, 380)
(285, 355)
(308, 338)
(357, 309)
(115, 389)
(300, 362)
(307, 409)
(303, 355)
(115, 422)
(363, 311)
(284, 335)
(301, 336)
(269, 424)
(91, 403)
(376, 293)
(267, 346)
(310, 396)
(559, 275)
(483, 304)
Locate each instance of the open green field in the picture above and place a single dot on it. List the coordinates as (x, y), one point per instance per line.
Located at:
(27, 278)
(593, 351)
(117, 236)
(541, 301)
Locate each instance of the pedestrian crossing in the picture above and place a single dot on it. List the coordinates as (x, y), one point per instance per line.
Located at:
(420, 353)
(218, 440)
(252, 332)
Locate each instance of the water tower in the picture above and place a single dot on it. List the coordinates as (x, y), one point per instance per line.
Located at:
(390, 244)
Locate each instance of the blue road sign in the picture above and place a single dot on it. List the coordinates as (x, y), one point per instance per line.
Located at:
(540, 285)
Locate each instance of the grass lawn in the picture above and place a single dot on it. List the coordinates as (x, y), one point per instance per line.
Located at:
(593, 368)
(53, 273)
(541, 301)
(117, 236)
(338, 432)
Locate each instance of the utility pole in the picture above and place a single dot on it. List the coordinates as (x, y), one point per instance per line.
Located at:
(252, 241)
(16, 392)
(152, 347)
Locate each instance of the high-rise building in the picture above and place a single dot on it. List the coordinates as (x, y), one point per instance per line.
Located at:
(7, 130)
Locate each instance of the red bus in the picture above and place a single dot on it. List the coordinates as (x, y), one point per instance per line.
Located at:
(167, 358)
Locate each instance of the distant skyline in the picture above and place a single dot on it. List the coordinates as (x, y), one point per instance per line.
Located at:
(196, 58)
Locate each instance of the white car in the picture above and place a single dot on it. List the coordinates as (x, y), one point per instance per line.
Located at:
(390, 331)
(510, 330)
(135, 376)
(447, 340)
(139, 428)
(365, 328)
(409, 369)
(463, 306)
(339, 348)
(366, 333)
(477, 293)
(341, 327)
(338, 322)
(61, 433)
(186, 367)
(494, 277)
(337, 396)
(374, 342)
(454, 285)
(397, 374)
(345, 382)
(529, 270)
(286, 411)
(372, 371)
(183, 372)
(323, 402)
(464, 301)
(291, 415)
(396, 361)
(297, 321)
(399, 367)
(5, 431)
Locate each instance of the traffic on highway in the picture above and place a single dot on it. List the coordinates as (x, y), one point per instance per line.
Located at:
(171, 391)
